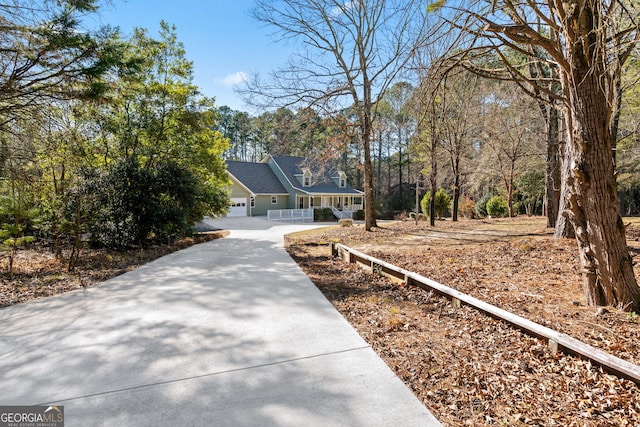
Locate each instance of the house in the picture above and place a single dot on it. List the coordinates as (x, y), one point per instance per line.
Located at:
(288, 183)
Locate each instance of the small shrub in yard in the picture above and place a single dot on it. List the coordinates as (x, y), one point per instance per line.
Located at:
(323, 214)
(401, 216)
(421, 217)
(467, 207)
(345, 222)
(443, 203)
(481, 206)
(497, 206)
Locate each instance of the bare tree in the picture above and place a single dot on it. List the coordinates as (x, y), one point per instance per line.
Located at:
(350, 53)
(429, 109)
(461, 91)
(510, 139)
(588, 42)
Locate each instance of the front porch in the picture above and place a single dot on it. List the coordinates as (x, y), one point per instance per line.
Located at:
(338, 201)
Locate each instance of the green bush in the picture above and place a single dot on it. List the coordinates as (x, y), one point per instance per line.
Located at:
(481, 206)
(497, 206)
(442, 202)
(130, 205)
(323, 214)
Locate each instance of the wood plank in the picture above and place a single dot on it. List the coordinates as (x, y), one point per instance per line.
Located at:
(557, 341)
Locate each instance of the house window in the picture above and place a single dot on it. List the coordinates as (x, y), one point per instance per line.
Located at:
(306, 178)
(274, 200)
(253, 202)
(342, 180)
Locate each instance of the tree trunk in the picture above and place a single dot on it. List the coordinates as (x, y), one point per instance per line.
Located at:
(433, 174)
(456, 197)
(369, 196)
(510, 198)
(432, 203)
(408, 162)
(563, 228)
(379, 167)
(593, 207)
(400, 180)
(553, 175)
(389, 168)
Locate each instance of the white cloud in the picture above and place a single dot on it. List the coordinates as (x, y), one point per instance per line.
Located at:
(339, 10)
(235, 78)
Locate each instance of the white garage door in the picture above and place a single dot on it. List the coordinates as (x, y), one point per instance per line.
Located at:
(238, 207)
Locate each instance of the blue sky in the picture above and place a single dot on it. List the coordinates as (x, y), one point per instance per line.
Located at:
(219, 36)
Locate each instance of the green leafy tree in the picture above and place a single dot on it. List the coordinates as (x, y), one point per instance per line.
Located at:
(45, 55)
(531, 186)
(442, 203)
(396, 113)
(131, 205)
(158, 116)
(16, 223)
(481, 206)
(47, 61)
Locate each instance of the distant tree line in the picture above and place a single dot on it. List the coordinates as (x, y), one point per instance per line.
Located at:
(492, 142)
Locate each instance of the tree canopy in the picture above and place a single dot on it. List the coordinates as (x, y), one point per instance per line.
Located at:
(102, 137)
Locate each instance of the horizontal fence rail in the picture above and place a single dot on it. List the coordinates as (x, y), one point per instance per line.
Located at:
(557, 341)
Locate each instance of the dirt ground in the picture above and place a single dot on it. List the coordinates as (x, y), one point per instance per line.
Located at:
(466, 367)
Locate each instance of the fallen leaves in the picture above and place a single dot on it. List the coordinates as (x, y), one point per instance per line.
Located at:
(470, 369)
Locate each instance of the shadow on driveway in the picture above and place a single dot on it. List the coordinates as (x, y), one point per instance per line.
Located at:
(228, 332)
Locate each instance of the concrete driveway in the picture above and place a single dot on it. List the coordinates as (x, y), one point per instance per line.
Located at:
(225, 333)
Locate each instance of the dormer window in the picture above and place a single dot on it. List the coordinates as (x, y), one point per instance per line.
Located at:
(342, 180)
(306, 178)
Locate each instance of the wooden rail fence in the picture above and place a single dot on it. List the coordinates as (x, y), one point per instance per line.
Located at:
(557, 341)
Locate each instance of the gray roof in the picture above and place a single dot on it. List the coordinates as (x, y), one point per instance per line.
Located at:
(257, 177)
(322, 181)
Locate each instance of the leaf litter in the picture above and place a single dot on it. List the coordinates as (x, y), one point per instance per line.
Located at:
(468, 368)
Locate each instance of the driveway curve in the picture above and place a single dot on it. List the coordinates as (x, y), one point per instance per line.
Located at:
(225, 333)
